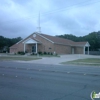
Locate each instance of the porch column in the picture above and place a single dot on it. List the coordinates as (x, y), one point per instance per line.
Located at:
(36, 47)
(88, 50)
(24, 47)
(84, 50)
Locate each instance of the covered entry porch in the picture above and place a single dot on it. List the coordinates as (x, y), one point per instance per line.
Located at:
(80, 49)
(31, 46)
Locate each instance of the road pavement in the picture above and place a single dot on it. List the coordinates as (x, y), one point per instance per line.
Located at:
(28, 81)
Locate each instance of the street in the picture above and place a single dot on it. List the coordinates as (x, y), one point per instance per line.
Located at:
(28, 81)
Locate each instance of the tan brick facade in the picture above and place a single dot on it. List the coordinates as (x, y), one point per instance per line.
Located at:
(13, 50)
(62, 49)
(46, 45)
(16, 48)
(79, 50)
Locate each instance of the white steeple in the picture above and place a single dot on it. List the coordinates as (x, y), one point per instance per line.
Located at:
(39, 27)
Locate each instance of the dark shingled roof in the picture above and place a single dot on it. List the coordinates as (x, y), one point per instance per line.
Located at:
(63, 41)
(14, 46)
(56, 40)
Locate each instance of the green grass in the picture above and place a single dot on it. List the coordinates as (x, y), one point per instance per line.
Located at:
(17, 58)
(88, 61)
(17, 55)
(49, 55)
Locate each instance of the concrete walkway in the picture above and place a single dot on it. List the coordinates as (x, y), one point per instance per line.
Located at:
(58, 60)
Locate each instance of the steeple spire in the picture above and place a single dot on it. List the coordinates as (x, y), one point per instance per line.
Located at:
(39, 27)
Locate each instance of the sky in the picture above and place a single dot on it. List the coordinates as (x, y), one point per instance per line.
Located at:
(20, 18)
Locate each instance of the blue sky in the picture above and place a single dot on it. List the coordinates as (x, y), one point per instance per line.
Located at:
(77, 17)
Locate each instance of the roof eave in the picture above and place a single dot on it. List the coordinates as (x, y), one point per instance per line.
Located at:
(62, 44)
(45, 38)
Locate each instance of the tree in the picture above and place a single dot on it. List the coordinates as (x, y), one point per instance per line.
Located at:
(7, 42)
(93, 39)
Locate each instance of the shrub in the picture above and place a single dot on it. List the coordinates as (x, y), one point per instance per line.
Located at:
(45, 53)
(26, 51)
(18, 52)
(4, 51)
(51, 53)
(21, 52)
(48, 53)
(40, 53)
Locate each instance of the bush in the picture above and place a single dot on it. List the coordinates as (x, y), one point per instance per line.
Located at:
(40, 53)
(4, 51)
(21, 52)
(51, 53)
(45, 53)
(26, 51)
(18, 52)
(48, 53)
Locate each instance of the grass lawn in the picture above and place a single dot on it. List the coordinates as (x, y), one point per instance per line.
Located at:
(44, 55)
(49, 55)
(88, 61)
(18, 58)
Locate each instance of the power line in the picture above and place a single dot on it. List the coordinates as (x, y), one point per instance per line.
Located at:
(72, 6)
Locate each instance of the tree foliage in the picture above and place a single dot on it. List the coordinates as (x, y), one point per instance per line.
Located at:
(7, 42)
(93, 39)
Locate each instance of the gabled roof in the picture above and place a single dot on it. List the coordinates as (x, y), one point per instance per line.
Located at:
(80, 43)
(14, 46)
(58, 40)
(29, 41)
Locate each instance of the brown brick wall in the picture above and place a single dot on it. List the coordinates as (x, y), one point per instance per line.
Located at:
(79, 50)
(62, 49)
(45, 46)
(20, 47)
(13, 50)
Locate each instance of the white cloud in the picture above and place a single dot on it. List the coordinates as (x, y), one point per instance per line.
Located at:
(19, 17)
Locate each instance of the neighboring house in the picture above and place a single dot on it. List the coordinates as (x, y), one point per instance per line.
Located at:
(45, 43)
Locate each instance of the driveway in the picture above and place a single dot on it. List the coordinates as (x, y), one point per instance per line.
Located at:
(62, 58)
